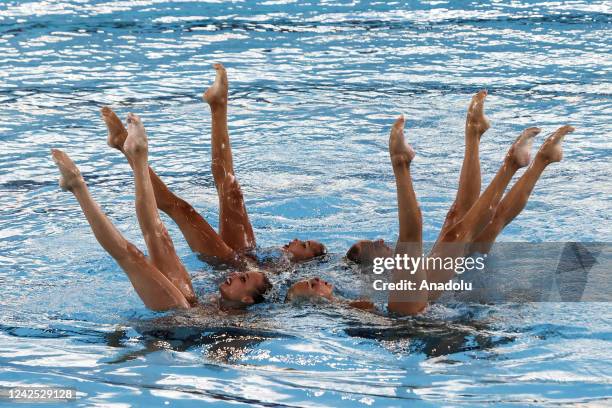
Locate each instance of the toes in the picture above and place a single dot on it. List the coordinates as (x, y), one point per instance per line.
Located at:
(136, 143)
(55, 156)
(217, 92)
(552, 149)
(221, 77)
(116, 130)
(530, 133)
(560, 133)
(70, 176)
(400, 120)
(59, 157)
(132, 118)
(109, 116)
(397, 132)
(478, 101)
(400, 151)
(476, 118)
(220, 69)
(113, 123)
(527, 136)
(480, 96)
(398, 126)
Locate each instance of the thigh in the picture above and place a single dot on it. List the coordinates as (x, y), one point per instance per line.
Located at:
(155, 290)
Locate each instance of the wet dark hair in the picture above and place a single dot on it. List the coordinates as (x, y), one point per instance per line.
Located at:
(353, 253)
(259, 296)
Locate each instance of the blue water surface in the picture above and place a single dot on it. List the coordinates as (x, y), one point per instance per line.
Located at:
(314, 87)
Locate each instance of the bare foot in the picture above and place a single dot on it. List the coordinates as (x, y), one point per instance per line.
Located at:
(116, 131)
(217, 93)
(552, 150)
(400, 151)
(520, 152)
(70, 174)
(136, 143)
(476, 120)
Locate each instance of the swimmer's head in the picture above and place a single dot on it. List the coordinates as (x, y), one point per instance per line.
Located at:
(242, 289)
(364, 252)
(304, 250)
(310, 289)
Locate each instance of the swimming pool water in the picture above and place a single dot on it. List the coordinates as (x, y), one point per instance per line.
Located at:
(314, 87)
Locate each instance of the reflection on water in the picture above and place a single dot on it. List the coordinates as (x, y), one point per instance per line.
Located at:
(224, 345)
(313, 90)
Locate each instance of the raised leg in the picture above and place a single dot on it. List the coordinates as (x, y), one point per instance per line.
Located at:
(515, 200)
(155, 290)
(482, 211)
(234, 225)
(159, 243)
(476, 124)
(410, 241)
(409, 213)
(200, 236)
(457, 239)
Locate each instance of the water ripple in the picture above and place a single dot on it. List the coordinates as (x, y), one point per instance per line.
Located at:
(313, 91)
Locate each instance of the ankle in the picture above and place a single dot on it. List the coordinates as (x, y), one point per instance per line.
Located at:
(511, 164)
(74, 184)
(477, 127)
(218, 108)
(542, 160)
(401, 161)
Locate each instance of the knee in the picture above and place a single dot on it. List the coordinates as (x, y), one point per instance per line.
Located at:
(130, 253)
(235, 192)
(502, 215)
(232, 193)
(133, 251)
